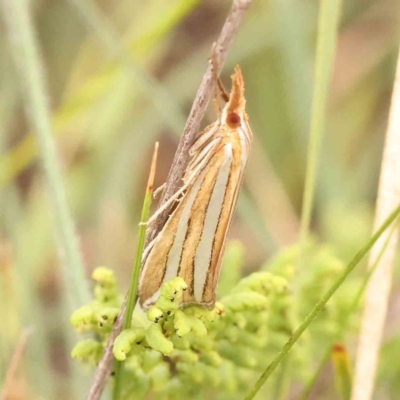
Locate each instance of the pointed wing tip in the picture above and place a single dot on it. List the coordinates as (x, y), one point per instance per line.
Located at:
(237, 101)
(237, 76)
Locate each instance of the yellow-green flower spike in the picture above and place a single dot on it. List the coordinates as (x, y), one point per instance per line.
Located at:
(262, 282)
(217, 312)
(150, 359)
(168, 303)
(106, 316)
(159, 377)
(181, 343)
(104, 276)
(244, 301)
(105, 294)
(210, 375)
(125, 340)
(87, 350)
(168, 324)
(205, 314)
(154, 314)
(205, 344)
(186, 356)
(240, 355)
(156, 339)
(174, 288)
(231, 333)
(238, 319)
(171, 295)
(196, 326)
(190, 371)
(181, 323)
(83, 319)
(229, 375)
(211, 358)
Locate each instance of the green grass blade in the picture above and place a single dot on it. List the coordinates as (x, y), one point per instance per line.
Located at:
(321, 304)
(28, 61)
(132, 293)
(326, 43)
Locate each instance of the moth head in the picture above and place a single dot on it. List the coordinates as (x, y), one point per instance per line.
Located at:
(234, 111)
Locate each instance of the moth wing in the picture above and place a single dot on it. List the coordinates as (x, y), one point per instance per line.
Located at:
(233, 188)
(162, 260)
(204, 137)
(154, 271)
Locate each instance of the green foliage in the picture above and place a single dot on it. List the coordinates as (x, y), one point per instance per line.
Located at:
(193, 350)
(321, 269)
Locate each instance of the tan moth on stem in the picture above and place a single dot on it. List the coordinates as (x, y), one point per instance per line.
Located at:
(203, 96)
(192, 241)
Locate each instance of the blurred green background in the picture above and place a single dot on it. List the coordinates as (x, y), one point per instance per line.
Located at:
(107, 114)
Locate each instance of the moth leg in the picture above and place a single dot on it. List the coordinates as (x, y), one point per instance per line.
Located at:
(214, 68)
(188, 181)
(158, 190)
(203, 137)
(172, 199)
(147, 250)
(201, 158)
(208, 135)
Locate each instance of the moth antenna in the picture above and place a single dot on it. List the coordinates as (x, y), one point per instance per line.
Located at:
(219, 90)
(223, 91)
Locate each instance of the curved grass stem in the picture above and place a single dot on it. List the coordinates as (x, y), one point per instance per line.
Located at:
(351, 310)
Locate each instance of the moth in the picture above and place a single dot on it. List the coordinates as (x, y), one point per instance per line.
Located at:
(191, 243)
